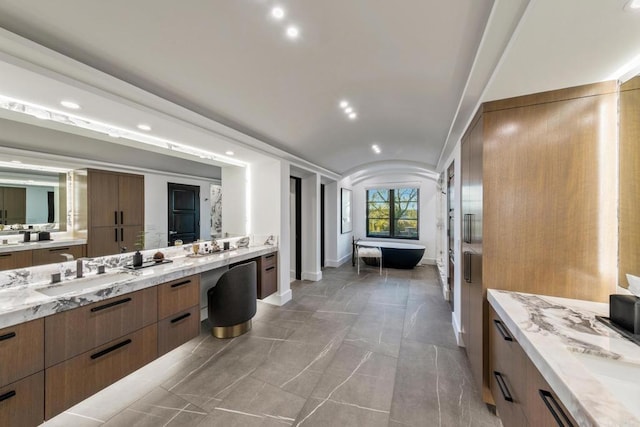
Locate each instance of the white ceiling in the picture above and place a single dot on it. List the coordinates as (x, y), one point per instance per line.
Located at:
(415, 69)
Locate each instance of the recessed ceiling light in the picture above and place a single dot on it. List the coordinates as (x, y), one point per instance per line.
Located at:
(70, 104)
(143, 126)
(632, 5)
(277, 12)
(344, 104)
(293, 32)
(16, 161)
(229, 153)
(348, 110)
(376, 148)
(353, 116)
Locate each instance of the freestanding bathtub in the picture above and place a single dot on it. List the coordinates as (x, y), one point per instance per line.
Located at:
(394, 254)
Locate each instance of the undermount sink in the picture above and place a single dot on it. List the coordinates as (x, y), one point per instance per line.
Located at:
(87, 282)
(621, 378)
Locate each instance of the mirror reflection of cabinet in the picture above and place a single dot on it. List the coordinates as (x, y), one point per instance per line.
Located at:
(13, 205)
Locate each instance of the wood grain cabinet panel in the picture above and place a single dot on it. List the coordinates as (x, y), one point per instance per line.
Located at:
(75, 331)
(21, 351)
(18, 259)
(22, 402)
(178, 295)
(177, 329)
(53, 255)
(73, 380)
(267, 275)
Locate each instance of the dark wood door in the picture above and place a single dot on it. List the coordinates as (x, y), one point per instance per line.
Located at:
(184, 213)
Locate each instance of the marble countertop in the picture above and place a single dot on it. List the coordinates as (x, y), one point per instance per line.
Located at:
(55, 243)
(21, 297)
(594, 370)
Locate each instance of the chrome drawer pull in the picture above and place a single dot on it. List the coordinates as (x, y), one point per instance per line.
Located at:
(8, 395)
(111, 304)
(110, 349)
(503, 330)
(179, 318)
(503, 386)
(184, 282)
(7, 336)
(554, 408)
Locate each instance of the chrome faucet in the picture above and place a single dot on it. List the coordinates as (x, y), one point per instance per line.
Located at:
(79, 266)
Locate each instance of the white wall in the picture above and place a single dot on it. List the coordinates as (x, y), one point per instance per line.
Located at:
(332, 227)
(234, 201)
(156, 205)
(36, 204)
(428, 209)
(311, 228)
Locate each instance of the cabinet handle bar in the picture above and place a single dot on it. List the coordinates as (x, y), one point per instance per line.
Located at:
(110, 349)
(503, 386)
(555, 409)
(7, 395)
(503, 330)
(111, 304)
(184, 282)
(7, 336)
(179, 318)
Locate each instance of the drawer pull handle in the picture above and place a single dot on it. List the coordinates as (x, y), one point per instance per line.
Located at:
(5, 255)
(179, 318)
(270, 268)
(111, 304)
(503, 386)
(269, 256)
(7, 395)
(554, 408)
(184, 282)
(115, 217)
(7, 336)
(59, 249)
(503, 330)
(110, 349)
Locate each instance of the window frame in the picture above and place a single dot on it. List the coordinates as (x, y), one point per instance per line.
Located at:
(392, 220)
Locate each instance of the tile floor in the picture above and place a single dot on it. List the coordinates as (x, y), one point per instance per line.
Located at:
(349, 350)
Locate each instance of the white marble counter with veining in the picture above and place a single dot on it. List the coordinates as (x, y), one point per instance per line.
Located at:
(15, 246)
(21, 297)
(594, 370)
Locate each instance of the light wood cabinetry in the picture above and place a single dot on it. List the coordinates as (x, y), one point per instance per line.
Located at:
(13, 205)
(17, 259)
(523, 397)
(629, 159)
(54, 255)
(73, 380)
(178, 312)
(538, 212)
(115, 211)
(267, 275)
(72, 332)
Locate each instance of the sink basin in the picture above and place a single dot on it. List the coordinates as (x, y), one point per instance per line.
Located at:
(622, 379)
(87, 282)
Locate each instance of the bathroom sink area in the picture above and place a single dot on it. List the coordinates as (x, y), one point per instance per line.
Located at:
(87, 282)
(621, 378)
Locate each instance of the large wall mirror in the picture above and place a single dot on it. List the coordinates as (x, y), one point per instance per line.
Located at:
(32, 199)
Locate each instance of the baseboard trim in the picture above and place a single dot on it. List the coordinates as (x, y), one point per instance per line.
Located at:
(279, 299)
(456, 330)
(337, 263)
(314, 277)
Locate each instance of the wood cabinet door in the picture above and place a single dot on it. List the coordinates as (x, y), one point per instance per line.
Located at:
(103, 241)
(22, 403)
(131, 199)
(129, 236)
(21, 350)
(178, 295)
(18, 259)
(102, 191)
(15, 205)
(177, 329)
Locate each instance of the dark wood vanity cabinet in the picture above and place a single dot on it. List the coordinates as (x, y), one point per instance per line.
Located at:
(178, 312)
(17, 259)
(522, 395)
(13, 205)
(267, 275)
(115, 203)
(54, 255)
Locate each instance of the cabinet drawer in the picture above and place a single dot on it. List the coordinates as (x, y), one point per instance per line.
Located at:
(543, 407)
(178, 295)
(72, 332)
(70, 382)
(22, 403)
(268, 282)
(269, 260)
(177, 329)
(53, 255)
(21, 351)
(18, 259)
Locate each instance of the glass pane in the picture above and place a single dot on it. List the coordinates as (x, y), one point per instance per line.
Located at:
(406, 194)
(406, 228)
(379, 210)
(378, 195)
(407, 210)
(378, 227)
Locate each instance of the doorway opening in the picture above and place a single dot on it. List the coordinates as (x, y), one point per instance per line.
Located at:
(184, 213)
(450, 228)
(295, 200)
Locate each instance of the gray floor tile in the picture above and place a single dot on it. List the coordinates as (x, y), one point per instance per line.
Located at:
(323, 413)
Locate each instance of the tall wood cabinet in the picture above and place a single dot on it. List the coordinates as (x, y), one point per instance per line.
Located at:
(13, 205)
(539, 215)
(115, 211)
